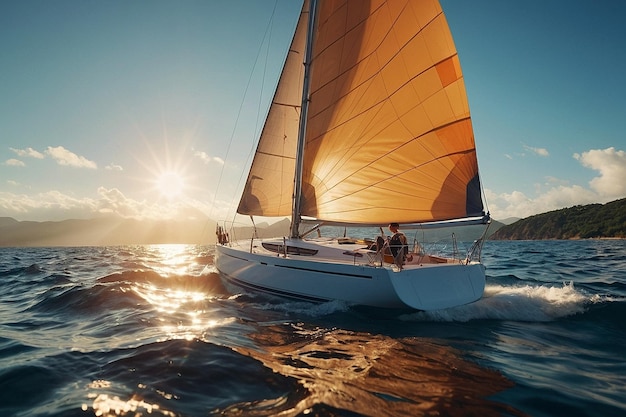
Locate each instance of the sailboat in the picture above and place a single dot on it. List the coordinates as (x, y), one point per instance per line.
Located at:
(369, 125)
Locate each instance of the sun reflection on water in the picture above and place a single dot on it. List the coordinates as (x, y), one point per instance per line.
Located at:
(167, 300)
(180, 298)
(183, 313)
(111, 405)
(173, 259)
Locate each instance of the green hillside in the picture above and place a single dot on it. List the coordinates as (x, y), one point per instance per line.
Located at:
(578, 222)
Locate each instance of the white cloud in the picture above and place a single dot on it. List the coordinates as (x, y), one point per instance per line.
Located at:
(206, 158)
(203, 156)
(51, 205)
(113, 167)
(67, 158)
(28, 152)
(61, 155)
(612, 167)
(14, 163)
(518, 204)
(113, 201)
(54, 205)
(538, 151)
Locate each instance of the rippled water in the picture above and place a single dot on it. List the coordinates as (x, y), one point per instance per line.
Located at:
(150, 330)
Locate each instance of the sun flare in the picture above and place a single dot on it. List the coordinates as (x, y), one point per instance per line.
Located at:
(170, 184)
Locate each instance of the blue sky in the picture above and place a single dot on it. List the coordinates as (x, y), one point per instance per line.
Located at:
(130, 107)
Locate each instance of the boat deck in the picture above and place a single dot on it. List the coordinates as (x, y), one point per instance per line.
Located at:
(352, 251)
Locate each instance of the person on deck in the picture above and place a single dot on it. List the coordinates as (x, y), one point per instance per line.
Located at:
(398, 242)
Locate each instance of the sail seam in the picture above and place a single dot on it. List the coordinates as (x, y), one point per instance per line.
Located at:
(414, 166)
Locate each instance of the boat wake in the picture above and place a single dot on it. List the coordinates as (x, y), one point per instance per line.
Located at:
(519, 303)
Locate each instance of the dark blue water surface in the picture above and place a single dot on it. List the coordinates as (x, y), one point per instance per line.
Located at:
(150, 330)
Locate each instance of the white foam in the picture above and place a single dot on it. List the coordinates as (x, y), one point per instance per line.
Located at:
(209, 269)
(519, 303)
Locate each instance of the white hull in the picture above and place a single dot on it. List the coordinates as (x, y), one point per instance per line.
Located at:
(350, 273)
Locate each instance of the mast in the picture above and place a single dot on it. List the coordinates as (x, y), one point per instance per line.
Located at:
(297, 188)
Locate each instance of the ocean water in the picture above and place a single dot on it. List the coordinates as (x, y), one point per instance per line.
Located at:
(151, 331)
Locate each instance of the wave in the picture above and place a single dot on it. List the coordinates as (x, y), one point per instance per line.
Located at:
(519, 303)
(207, 281)
(83, 300)
(607, 311)
(24, 270)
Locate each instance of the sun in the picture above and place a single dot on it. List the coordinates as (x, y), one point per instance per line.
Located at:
(170, 184)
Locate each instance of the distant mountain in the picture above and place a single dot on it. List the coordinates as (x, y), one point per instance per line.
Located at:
(112, 231)
(264, 230)
(104, 232)
(7, 221)
(578, 222)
